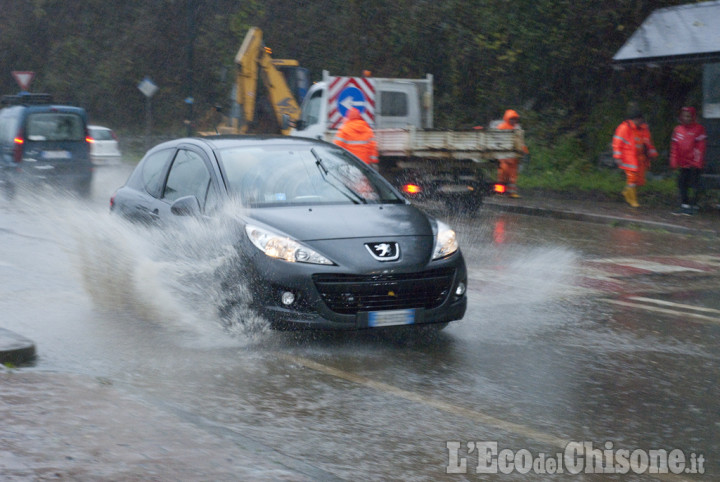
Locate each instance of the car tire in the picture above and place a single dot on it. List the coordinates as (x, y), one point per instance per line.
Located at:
(84, 189)
(10, 190)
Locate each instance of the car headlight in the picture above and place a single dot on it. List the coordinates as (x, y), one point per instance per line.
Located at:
(281, 247)
(445, 241)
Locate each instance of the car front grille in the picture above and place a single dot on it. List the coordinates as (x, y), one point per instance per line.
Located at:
(349, 294)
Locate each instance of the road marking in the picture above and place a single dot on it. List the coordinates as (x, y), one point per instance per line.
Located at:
(666, 311)
(453, 409)
(646, 265)
(670, 303)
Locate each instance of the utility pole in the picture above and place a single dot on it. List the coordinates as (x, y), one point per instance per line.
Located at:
(191, 10)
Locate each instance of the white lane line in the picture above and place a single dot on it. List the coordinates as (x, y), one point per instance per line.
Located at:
(651, 266)
(656, 309)
(678, 305)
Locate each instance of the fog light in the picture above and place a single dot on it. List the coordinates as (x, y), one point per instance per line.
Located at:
(460, 290)
(287, 298)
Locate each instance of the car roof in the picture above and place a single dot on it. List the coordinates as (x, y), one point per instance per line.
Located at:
(55, 107)
(224, 141)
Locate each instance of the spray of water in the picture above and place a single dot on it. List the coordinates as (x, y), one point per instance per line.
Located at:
(187, 275)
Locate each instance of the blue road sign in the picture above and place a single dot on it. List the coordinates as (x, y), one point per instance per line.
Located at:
(350, 97)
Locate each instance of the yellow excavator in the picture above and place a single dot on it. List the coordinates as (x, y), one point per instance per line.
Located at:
(284, 81)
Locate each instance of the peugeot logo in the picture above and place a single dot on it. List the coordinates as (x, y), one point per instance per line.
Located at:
(384, 251)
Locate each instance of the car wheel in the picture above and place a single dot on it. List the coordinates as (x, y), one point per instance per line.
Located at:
(83, 189)
(10, 190)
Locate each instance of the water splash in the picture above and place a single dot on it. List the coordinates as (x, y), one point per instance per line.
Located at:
(182, 275)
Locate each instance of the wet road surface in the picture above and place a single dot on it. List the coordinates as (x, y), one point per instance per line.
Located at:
(574, 333)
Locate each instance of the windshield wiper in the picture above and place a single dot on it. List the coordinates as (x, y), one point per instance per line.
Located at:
(342, 188)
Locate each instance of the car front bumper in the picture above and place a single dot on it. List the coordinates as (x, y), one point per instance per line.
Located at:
(327, 298)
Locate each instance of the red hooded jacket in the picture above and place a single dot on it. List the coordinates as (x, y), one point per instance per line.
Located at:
(688, 144)
(356, 136)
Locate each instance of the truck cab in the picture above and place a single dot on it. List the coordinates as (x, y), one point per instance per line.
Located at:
(388, 104)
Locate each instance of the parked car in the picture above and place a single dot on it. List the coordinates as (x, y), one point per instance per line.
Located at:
(104, 145)
(43, 142)
(325, 241)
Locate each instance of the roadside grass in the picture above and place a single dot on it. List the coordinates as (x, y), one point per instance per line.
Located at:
(598, 180)
(565, 170)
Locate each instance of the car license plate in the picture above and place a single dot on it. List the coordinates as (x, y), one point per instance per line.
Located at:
(56, 155)
(391, 318)
(455, 188)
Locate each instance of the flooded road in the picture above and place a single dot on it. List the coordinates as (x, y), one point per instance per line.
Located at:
(575, 333)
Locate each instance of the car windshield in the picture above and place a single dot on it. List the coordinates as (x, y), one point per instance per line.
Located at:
(101, 134)
(55, 126)
(286, 175)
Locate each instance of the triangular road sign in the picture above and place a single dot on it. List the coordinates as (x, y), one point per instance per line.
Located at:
(23, 78)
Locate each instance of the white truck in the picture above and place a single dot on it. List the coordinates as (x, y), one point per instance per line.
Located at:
(427, 164)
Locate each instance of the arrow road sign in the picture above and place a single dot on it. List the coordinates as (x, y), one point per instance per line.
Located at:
(351, 97)
(347, 92)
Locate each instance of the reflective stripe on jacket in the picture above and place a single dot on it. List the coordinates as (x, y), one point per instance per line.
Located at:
(356, 136)
(632, 146)
(687, 146)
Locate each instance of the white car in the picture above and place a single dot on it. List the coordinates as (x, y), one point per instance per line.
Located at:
(104, 146)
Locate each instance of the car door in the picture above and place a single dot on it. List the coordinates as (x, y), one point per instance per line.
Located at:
(138, 200)
(190, 175)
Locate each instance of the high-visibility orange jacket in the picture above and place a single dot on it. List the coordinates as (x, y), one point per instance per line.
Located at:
(520, 138)
(357, 136)
(632, 146)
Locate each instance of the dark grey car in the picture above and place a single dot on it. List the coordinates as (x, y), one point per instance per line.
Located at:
(325, 240)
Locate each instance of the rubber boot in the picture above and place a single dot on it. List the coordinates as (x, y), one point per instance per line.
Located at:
(626, 194)
(632, 194)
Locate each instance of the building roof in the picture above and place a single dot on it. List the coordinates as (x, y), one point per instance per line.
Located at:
(687, 33)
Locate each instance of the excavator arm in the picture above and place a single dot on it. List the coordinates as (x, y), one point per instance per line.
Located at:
(254, 59)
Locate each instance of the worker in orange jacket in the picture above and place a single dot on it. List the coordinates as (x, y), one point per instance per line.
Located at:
(508, 167)
(356, 135)
(632, 150)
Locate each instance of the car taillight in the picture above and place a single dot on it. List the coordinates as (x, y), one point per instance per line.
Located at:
(89, 140)
(499, 188)
(411, 188)
(112, 202)
(19, 140)
(114, 136)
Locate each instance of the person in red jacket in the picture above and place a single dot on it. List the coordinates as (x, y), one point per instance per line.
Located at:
(632, 150)
(356, 136)
(687, 155)
(508, 168)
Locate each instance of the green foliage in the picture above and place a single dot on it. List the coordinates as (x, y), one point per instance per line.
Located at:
(548, 59)
(566, 155)
(605, 182)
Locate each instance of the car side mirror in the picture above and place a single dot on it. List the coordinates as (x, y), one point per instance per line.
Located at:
(186, 206)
